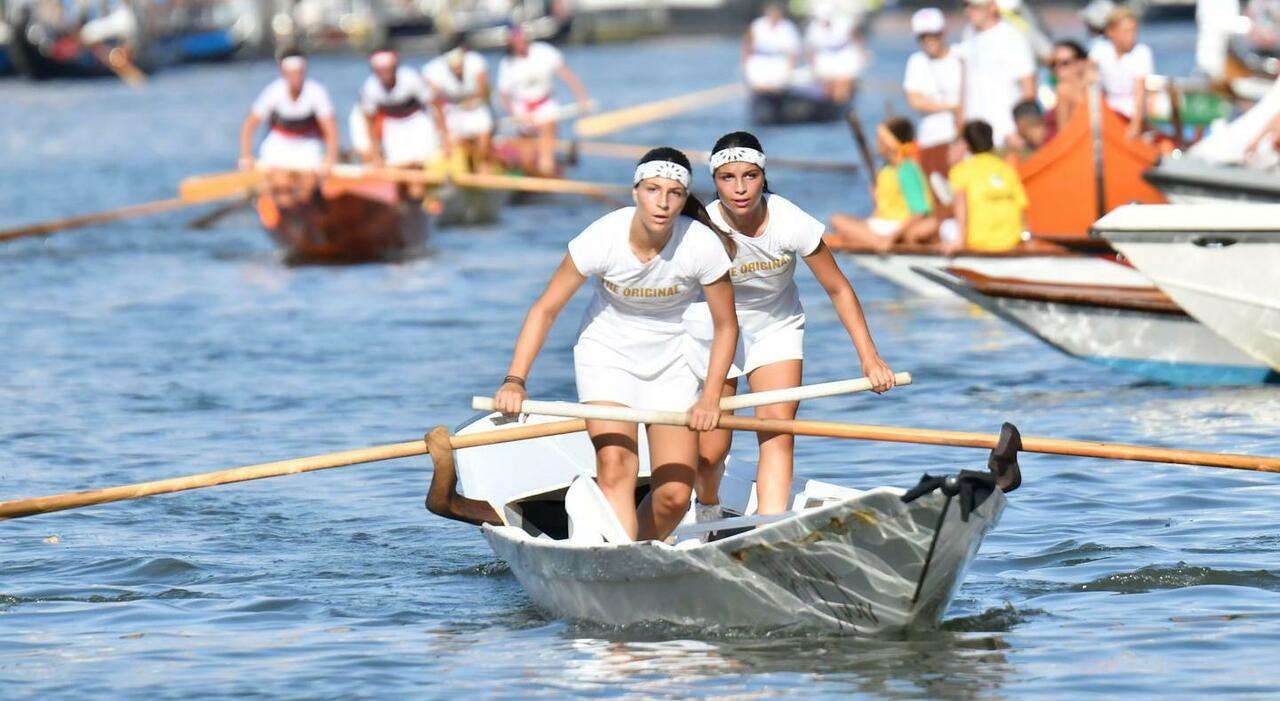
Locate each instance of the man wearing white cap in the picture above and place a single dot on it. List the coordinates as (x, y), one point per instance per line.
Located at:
(459, 79)
(304, 134)
(933, 83)
(395, 101)
(999, 69)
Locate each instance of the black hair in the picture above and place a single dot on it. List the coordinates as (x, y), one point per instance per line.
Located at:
(740, 139)
(901, 128)
(1027, 109)
(1077, 51)
(693, 207)
(978, 136)
(289, 52)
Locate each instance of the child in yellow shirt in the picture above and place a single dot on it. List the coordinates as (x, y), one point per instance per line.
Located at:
(903, 202)
(989, 199)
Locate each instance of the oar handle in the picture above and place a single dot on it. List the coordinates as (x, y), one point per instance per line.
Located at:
(679, 418)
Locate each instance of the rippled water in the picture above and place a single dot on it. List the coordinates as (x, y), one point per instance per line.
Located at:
(145, 350)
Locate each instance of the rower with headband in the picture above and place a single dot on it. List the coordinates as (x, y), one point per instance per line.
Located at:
(303, 140)
(769, 233)
(402, 124)
(459, 81)
(648, 263)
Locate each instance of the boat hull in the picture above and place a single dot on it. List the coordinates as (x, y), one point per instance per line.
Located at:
(867, 564)
(1193, 181)
(1228, 280)
(1166, 346)
(905, 271)
(795, 106)
(353, 221)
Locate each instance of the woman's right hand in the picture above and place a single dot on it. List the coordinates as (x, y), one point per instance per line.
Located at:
(509, 398)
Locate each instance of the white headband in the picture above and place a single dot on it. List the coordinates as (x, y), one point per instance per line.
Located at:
(293, 63)
(383, 59)
(662, 169)
(736, 154)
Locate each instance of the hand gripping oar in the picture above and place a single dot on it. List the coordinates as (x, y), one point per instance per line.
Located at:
(73, 500)
(901, 434)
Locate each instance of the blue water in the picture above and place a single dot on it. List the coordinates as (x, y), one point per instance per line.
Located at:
(145, 349)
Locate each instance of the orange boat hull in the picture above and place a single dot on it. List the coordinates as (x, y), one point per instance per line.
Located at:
(353, 221)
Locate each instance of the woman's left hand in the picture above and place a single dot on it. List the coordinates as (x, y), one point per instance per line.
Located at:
(704, 415)
(878, 372)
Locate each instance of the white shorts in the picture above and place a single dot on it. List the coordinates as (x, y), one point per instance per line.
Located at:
(949, 231)
(845, 64)
(676, 388)
(409, 141)
(545, 111)
(778, 341)
(764, 72)
(468, 123)
(280, 150)
(883, 227)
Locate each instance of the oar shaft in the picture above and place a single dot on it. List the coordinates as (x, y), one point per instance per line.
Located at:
(927, 436)
(617, 120)
(629, 151)
(136, 210)
(60, 502)
(804, 392)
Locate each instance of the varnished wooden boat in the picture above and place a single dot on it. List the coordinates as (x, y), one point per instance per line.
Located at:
(350, 221)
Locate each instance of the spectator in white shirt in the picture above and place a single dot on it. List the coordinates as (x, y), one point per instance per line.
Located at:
(999, 69)
(1123, 66)
(933, 82)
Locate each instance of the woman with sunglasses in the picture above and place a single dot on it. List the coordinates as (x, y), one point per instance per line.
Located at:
(1070, 67)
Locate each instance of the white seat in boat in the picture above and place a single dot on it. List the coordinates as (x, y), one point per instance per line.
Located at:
(591, 518)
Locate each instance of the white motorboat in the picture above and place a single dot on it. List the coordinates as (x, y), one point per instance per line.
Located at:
(1219, 263)
(1137, 330)
(843, 559)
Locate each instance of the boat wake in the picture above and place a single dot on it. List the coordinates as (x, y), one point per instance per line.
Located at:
(1179, 576)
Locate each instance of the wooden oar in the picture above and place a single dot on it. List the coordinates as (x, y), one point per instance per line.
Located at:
(119, 63)
(73, 500)
(483, 181)
(192, 191)
(632, 152)
(927, 436)
(563, 113)
(617, 120)
(860, 138)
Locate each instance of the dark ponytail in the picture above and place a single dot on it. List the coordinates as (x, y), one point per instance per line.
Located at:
(693, 207)
(740, 139)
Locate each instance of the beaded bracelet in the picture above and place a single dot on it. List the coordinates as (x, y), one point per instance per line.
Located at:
(513, 380)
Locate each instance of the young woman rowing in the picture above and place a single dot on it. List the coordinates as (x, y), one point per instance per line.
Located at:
(769, 234)
(651, 261)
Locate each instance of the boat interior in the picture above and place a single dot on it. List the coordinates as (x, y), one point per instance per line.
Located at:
(556, 497)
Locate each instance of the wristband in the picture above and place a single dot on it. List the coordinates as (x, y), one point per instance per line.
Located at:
(513, 380)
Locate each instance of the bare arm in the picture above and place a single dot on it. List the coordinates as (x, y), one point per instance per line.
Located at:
(849, 310)
(705, 414)
(571, 79)
(1139, 107)
(1028, 87)
(920, 103)
(329, 129)
(537, 323)
(247, 130)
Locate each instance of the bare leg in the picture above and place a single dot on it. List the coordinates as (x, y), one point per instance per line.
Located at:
(482, 154)
(777, 450)
(923, 231)
(855, 231)
(617, 465)
(547, 150)
(673, 453)
(307, 182)
(713, 446)
(281, 183)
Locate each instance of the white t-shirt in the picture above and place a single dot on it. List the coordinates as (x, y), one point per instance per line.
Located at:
(939, 80)
(409, 94)
(275, 101)
(768, 39)
(530, 78)
(1119, 74)
(635, 319)
(994, 61)
(1216, 22)
(833, 33)
(448, 85)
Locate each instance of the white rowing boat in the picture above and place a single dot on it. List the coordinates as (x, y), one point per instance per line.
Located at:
(1220, 263)
(844, 559)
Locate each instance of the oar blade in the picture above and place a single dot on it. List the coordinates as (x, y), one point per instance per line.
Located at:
(218, 186)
